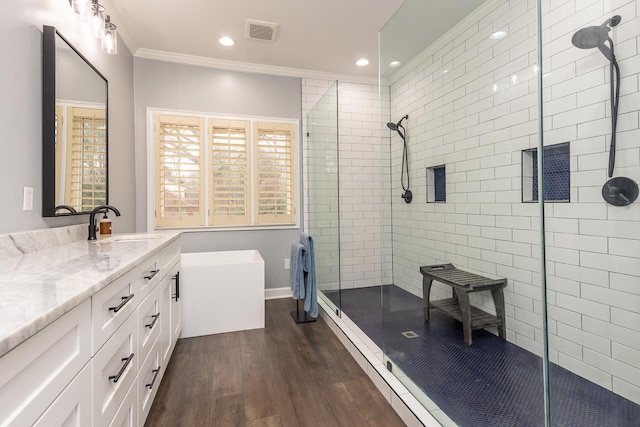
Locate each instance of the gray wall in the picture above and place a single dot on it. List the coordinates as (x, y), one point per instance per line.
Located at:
(184, 87)
(21, 24)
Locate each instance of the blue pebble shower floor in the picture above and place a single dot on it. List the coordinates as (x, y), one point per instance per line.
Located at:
(491, 383)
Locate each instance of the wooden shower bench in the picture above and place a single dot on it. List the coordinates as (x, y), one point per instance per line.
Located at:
(458, 307)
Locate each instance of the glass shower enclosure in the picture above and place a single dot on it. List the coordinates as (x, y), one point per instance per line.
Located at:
(323, 193)
(524, 153)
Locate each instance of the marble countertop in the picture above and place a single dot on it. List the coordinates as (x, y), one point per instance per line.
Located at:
(39, 287)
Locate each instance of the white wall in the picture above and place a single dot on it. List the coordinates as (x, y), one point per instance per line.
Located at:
(364, 179)
(21, 112)
(472, 105)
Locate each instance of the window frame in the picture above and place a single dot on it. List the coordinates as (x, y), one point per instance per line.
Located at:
(208, 117)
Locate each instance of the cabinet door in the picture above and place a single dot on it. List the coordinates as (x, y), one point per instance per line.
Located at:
(114, 370)
(34, 373)
(73, 406)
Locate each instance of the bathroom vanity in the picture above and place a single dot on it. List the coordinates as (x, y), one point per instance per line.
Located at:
(87, 330)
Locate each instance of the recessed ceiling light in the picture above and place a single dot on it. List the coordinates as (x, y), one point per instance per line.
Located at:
(395, 64)
(226, 41)
(498, 35)
(362, 62)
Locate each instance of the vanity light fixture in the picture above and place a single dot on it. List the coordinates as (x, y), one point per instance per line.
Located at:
(101, 24)
(226, 41)
(110, 40)
(97, 19)
(498, 35)
(362, 62)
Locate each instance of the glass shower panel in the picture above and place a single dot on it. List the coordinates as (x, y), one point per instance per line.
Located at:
(590, 72)
(462, 322)
(323, 215)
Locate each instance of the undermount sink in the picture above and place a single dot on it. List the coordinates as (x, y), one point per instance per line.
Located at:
(130, 238)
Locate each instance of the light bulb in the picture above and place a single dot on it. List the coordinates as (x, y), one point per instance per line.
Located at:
(109, 42)
(97, 22)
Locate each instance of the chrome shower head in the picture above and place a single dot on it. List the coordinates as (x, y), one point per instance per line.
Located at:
(392, 126)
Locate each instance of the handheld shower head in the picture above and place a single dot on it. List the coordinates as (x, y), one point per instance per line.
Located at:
(407, 195)
(396, 126)
(595, 36)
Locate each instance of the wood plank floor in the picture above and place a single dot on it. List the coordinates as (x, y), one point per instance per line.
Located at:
(282, 375)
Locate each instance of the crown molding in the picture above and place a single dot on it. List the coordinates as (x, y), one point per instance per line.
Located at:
(249, 67)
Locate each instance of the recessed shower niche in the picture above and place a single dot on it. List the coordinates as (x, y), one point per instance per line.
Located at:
(555, 173)
(436, 184)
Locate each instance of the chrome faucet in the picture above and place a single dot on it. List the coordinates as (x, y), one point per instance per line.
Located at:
(92, 218)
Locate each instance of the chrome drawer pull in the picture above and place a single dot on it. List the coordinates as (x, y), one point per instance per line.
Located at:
(153, 322)
(152, 274)
(127, 360)
(156, 372)
(122, 304)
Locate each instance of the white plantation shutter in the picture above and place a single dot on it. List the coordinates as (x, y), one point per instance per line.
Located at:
(229, 184)
(179, 171)
(274, 166)
(86, 178)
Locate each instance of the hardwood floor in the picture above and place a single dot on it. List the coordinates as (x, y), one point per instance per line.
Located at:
(282, 375)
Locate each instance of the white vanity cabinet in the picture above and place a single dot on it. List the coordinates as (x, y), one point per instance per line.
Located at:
(101, 363)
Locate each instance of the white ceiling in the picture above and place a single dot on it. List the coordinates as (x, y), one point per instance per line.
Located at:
(327, 36)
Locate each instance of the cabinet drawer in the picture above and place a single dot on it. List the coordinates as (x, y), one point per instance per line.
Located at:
(149, 381)
(34, 373)
(111, 306)
(73, 406)
(114, 370)
(170, 254)
(149, 322)
(127, 415)
(147, 275)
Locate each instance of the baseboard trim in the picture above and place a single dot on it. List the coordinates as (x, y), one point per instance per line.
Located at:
(276, 293)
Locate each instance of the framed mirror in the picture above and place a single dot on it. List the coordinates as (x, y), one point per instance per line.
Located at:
(74, 130)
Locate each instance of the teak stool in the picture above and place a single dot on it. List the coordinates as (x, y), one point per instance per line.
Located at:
(458, 307)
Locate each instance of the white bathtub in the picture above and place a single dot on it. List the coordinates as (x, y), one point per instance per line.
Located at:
(221, 292)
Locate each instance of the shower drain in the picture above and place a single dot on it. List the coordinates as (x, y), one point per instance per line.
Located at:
(409, 334)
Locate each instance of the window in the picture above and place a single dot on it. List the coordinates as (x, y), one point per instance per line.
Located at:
(274, 166)
(555, 174)
(242, 171)
(179, 183)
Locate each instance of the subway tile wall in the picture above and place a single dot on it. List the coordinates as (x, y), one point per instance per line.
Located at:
(472, 105)
(365, 208)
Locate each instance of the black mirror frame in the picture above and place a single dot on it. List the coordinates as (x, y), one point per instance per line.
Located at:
(49, 122)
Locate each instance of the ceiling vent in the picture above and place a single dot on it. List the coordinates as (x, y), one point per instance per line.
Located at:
(260, 30)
